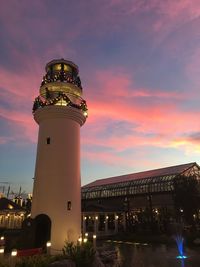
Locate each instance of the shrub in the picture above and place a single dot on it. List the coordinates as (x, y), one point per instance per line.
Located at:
(4, 264)
(82, 254)
(34, 261)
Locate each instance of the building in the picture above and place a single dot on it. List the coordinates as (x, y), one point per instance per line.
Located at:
(11, 214)
(149, 199)
(60, 111)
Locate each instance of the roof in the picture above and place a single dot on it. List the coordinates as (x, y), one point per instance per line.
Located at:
(172, 170)
(7, 204)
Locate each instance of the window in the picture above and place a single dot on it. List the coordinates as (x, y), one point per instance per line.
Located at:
(69, 205)
(48, 140)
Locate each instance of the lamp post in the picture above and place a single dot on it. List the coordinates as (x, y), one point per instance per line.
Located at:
(94, 241)
(48, 246)
(13, 257)
(1, 252)
(127, 211)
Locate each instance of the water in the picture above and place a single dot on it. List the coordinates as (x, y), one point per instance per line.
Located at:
(179, 241)
(144, 255)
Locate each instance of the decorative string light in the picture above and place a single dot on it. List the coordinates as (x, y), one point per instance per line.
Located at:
(40, 102)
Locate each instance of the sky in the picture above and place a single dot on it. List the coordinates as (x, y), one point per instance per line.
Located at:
(139, 64)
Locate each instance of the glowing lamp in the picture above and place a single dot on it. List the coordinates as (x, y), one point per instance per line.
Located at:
(48, 244)
(14, 253)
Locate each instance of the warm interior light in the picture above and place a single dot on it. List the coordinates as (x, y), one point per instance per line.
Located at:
(1, 250)
(94, 236)
(85, 240)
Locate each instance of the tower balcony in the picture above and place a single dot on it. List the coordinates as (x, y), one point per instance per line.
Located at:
(61, 72)
(58, 98)
(63, 77)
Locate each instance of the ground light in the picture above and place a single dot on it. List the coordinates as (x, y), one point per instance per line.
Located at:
(80, 240)
(48, 245)
(1, 252)
(13, 258)
(85, 240)
(14, 253)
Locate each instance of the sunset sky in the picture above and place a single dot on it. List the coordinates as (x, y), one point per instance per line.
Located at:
(139, 64)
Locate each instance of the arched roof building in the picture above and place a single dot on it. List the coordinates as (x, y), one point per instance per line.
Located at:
(155, 193)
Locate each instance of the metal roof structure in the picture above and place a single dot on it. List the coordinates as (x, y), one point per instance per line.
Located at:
(152, 181)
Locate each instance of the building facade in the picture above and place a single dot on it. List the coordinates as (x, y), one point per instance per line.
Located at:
(11, 214)
(140, 201)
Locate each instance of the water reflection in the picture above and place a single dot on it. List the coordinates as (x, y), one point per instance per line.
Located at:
(140, 255)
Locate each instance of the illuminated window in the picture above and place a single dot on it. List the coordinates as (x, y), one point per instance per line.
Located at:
(67, 68)
(57, 67)
(48, 140)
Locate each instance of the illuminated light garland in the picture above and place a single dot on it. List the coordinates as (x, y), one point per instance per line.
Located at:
(40, 103)
(61, 77)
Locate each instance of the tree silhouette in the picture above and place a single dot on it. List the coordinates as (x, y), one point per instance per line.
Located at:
(187, 197)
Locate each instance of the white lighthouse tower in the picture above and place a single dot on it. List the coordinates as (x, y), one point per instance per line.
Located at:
(60, 111)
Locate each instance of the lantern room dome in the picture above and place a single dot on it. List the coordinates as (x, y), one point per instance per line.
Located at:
(61, 64)
(61, 76)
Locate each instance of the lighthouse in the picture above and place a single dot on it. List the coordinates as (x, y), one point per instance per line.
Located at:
(60, 111)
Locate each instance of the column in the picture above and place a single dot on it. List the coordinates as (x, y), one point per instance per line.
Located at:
(124, 221)
(84, 224)
(96, 224)
(116, 223)
(106, 223)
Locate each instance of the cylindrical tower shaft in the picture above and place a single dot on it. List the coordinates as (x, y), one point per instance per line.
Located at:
(59, 112)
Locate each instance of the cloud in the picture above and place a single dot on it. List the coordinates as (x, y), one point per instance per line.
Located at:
(124, 112)
(148, 117)
(22, 127)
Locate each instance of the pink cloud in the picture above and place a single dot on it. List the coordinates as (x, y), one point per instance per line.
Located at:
(5, 139)
(23, 125)
(157, 124)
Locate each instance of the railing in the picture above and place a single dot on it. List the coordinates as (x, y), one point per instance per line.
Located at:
(60, 99)
(61, 77)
